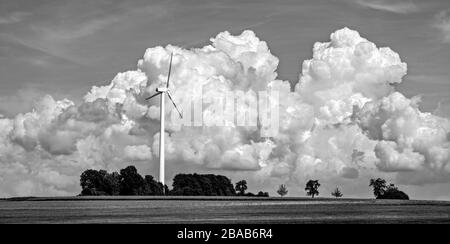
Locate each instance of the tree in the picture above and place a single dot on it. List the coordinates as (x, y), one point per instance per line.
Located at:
(337, 193)
(90, 181)
(241, 187)
(96, 183)
(112, 183)
(282, 190)
(392, 192)
(379, 186)
(383, 191)
(152, 187)
(202, 185)
(127, 182)
(131, 182)
(312, 187)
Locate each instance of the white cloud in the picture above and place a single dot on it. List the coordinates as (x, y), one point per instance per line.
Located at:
(19, 102)
(344, 103)
(443, 109)
(409, 140)
(390, 159)
(140, 152)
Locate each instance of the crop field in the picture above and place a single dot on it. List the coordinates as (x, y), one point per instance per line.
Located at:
(219, 210)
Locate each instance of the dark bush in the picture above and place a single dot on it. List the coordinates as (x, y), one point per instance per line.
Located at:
(131, 182)
(128, 182)
(392, 192)
(202, 185)
(152, 187)
(97, 183)
(241, 187)
(383, 191)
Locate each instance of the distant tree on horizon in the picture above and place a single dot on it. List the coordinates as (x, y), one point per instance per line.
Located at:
(127, 182)
(241, 187)
(154, 188)
(282, 190)
(379, 186)
(383, 191)
(312, 187)
(99, 182)
(392, 192)
(131, 182)
(337, 193)
(202, 185)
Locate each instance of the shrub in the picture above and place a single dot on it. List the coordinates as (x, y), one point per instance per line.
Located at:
(381, 191)
(282, 190)
(202, 185)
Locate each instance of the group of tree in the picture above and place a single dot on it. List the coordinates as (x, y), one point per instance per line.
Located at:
(241, 187)
(312, 189)
(202, 185)
(129, 182)
(380, 189)
(383, 191)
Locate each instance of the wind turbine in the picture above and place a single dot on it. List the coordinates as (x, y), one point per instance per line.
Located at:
(162, 91)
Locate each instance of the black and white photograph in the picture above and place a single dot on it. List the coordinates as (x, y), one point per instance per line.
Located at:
(224, 113)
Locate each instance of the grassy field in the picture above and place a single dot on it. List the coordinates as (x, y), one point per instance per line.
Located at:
(219, 210)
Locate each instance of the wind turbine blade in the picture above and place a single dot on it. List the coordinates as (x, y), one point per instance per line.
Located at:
(170, 69)
(154, 95)
(171, 99)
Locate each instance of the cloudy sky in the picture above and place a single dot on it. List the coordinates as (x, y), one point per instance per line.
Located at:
(63, 48)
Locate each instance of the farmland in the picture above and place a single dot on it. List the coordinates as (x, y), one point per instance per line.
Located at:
(219, 210)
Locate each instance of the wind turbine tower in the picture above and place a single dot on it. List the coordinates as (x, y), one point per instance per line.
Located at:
(162, 91)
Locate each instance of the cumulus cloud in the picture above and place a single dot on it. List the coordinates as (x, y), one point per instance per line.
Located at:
(443, 109)
(409, 140)
(140, 152)
(342, 121)
(20, 102)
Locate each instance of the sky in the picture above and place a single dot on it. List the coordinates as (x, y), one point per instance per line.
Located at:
(63, 48)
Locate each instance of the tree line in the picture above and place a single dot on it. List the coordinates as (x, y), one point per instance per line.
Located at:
(381, 190)
(129, 182)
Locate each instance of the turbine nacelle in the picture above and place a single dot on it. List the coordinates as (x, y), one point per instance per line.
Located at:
(162, 89)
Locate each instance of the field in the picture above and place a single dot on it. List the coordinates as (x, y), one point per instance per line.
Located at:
(219, 210)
